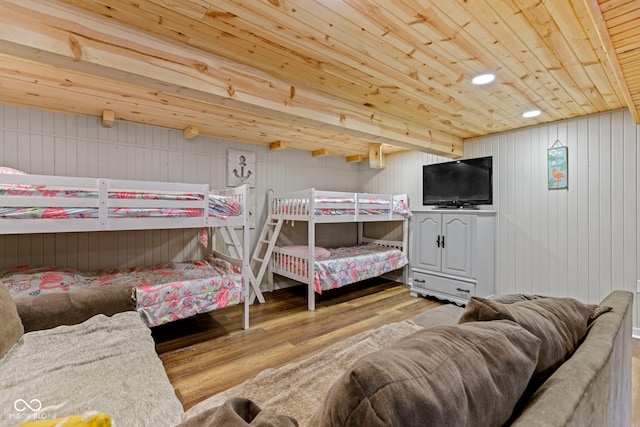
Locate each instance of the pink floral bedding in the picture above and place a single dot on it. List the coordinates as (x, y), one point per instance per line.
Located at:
(348, 265)
(219, 206)
(164, 293)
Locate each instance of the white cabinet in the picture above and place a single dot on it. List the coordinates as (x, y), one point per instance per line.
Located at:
(443, 243)
(452, 254)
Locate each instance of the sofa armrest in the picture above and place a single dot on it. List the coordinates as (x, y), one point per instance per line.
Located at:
(593, 387)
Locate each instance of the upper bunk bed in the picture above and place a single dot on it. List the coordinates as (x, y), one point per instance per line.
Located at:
(328, 268)
(58, 204)
(161, 293)
(335, 206)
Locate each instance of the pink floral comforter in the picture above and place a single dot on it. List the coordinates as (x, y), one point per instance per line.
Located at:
(355, 263)
(348, 265)
(163, 293)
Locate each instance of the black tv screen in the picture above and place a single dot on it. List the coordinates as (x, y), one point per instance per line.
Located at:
(459, 183)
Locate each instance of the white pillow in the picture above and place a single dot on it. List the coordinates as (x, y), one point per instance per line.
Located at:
(11, 171)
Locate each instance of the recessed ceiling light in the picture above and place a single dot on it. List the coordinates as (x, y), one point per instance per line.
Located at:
(483, 79)
(532, 113)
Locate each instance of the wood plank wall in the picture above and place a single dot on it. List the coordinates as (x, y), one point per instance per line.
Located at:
(582, 242)
(40, 142)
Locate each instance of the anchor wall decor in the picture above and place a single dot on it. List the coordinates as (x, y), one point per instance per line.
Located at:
(241, 168)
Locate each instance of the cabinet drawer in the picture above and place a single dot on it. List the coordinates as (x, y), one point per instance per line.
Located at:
(444, 285)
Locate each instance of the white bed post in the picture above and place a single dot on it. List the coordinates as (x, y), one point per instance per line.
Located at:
(311, 239)
(103, 203)
(405, 236)
(246, 257)
(270, 213)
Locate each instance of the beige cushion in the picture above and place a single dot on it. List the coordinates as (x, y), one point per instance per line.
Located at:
(471, 374)
(10, 325)
(559, 322)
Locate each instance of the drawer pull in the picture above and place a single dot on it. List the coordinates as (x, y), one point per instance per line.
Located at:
(419, 280)
(463, 290)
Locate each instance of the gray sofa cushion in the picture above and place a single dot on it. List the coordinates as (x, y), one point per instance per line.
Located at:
(238, 412)
(471, 374)
(592, 388)
(559, 322)
(74, 306)
(595, 310)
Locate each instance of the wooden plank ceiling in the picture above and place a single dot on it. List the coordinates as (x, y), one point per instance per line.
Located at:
(332, 77)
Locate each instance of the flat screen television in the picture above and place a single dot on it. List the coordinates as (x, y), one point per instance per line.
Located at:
(461, 183)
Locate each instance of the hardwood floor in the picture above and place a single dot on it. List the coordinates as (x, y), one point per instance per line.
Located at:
(211, 352)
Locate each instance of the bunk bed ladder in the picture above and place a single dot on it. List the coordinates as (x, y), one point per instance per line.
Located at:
(231, 241)
(262, 253)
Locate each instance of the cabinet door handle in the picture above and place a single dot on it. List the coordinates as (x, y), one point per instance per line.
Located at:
(442, 241)
(463, 290)
(438, 241)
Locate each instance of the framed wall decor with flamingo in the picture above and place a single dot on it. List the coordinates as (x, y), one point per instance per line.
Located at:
(557, 165)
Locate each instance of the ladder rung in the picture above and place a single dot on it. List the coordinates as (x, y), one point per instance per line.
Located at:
(264, 241)
(258, 259)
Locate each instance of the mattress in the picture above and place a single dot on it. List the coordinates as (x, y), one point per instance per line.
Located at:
(346, 265)
(219, 206)
(163, 293)
(366, 206)
(342, 206)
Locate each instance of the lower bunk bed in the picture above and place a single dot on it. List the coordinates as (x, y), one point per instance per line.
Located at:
(52, 296)
(336, 267)
(322, 268)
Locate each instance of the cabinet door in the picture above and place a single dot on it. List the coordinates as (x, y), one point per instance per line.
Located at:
(426, 251)
(456, 250)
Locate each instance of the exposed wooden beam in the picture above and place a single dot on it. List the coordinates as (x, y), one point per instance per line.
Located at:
(63, 36)
(355, 158)
(277, 145)
(594, 12)
(376, 156)
(190, 132)
(320, 152)
(108, 118)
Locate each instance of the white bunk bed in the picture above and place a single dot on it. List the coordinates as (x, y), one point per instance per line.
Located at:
(56, 204)
(322, 269)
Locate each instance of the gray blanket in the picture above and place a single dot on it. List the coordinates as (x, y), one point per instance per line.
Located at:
(106, 364)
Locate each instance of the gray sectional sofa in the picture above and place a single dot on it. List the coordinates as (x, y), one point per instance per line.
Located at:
(109, 364)
(591, 388)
